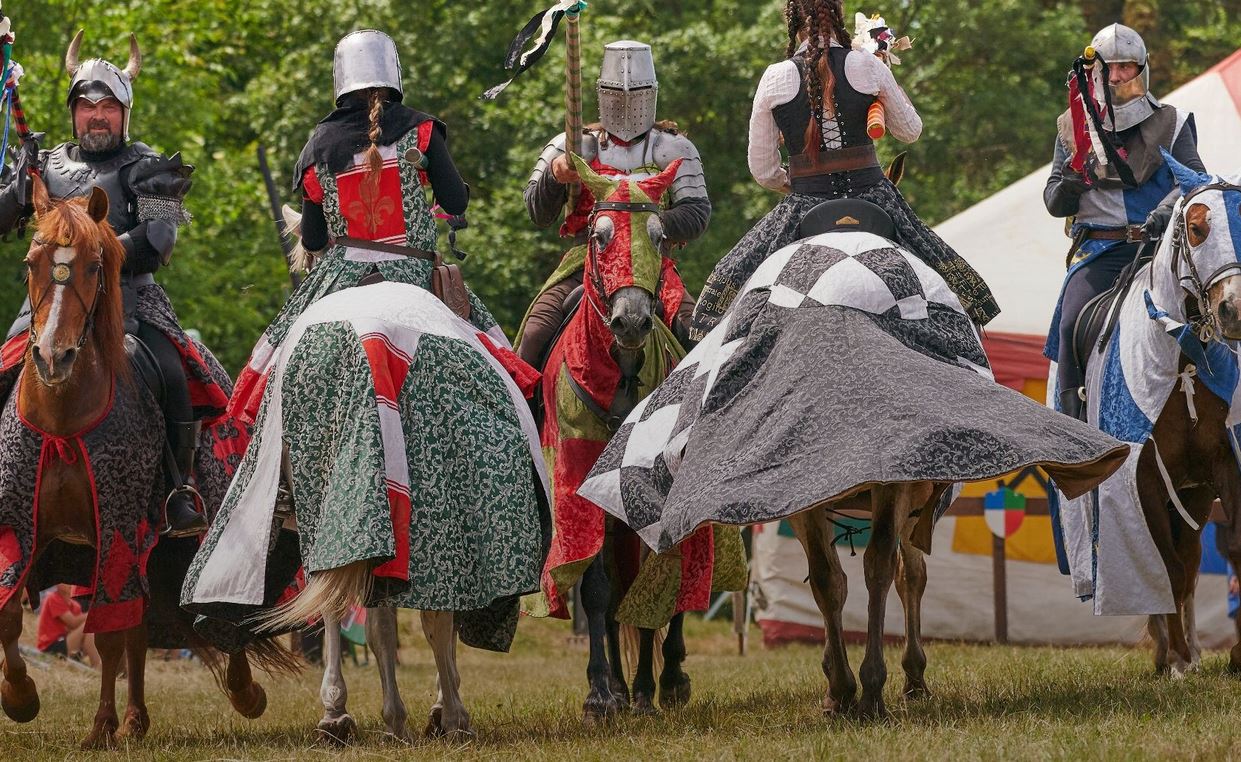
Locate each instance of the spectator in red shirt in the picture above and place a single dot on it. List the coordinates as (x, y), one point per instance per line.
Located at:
(62, 627)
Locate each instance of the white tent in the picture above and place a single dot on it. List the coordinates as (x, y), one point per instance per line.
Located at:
(1019, 248)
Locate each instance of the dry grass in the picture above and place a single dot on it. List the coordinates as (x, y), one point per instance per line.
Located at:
(990, 702)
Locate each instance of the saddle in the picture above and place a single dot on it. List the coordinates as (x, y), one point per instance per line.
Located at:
(848, 214)
(1093, 328)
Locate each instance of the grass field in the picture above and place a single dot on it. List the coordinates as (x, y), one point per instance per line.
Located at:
(990, 702)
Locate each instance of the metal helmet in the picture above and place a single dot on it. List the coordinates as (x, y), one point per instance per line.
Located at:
(628, 90)
(365, 59)
(96, 79)
(1132, 101)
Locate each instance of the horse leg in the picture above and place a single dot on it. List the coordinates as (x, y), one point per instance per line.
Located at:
(830, 585)
(601, 702)
(1228, 487)
(674, 684)
(1157, 628)
(448, 716)
(136, 722)
(619, 687)
(244, 693)
(644, 675)
(910, 585)
(18, 694)
(1159, 517)
(889, 508)
(336, 727)
(381, 638)
(111, 647)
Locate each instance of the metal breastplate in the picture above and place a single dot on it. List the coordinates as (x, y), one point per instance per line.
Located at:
(69, 177)
(637, 159)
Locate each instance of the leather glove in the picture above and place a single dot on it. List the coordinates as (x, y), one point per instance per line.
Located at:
(1157, 222)
(27, 159)
(1073, 182)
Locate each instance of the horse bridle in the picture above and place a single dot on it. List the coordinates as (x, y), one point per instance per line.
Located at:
(62, 275)
(592, 271)
(1204, 325)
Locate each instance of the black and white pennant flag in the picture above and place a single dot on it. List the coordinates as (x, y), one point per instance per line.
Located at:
(544, 25)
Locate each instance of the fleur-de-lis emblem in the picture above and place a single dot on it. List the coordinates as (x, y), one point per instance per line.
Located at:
(371, 208)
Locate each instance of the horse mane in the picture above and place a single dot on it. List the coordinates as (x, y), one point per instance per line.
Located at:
(69, 221)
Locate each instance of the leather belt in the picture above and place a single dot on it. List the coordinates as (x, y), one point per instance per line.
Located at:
(387, 248)
(1130, 234)
(831, 162)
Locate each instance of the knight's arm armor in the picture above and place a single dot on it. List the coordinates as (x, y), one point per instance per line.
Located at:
(158, 186)
(1063, 192)
(689, 208)
(545, 196)
(1184, 150)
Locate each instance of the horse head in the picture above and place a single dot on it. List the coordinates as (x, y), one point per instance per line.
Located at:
(623, 258)
(1205, 236)
(73, 274)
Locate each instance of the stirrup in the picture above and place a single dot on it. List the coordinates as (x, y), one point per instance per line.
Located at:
(200, 524)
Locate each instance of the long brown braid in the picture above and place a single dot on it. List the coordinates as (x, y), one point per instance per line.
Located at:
(374, 159)
(824, 22)
(795, 20)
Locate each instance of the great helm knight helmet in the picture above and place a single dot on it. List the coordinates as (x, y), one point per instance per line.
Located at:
(1132, 101)
(96, 79)
(366, 59)
(628, 90)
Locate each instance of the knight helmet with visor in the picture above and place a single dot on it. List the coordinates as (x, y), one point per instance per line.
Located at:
(96, 79)
(1131, 101)
(627, 88)
(366, 59)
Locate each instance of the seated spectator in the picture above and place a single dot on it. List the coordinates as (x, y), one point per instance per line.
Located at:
(62, 627)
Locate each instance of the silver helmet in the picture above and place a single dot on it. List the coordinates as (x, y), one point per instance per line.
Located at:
(365, 59)
(628, 90)
(1132, 101)
(96, 79)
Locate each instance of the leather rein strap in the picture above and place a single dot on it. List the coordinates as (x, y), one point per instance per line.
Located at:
(66, 281)
(1205, 325)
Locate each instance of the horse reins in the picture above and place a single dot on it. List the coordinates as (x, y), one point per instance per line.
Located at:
(62, 275)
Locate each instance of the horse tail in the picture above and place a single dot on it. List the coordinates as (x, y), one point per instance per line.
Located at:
(631, 647)
(329, 592)
(273, 657)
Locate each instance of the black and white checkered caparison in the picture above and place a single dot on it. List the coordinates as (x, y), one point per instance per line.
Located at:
(902, 295)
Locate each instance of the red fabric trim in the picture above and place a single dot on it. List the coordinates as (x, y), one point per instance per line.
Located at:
(311, 189)
(672, 290)
(1015, 357)
(110, 617)
(247, 396)
(776, 633)
(400, 510)
(576, 222)
(13, 353)
(523, 374)
(424, 143)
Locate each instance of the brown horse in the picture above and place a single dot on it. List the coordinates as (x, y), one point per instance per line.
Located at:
(76, 380)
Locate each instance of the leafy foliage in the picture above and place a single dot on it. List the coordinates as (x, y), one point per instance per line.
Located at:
(221, 77)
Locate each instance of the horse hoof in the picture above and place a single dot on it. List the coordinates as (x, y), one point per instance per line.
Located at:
(620, 691)
(435, 724)
(102, 737)
(437, 729)
(836, 707)
(873, 711)
(20, 700)
(600, 708)
(336, 732)
(135, 724)
(250, 702)
(917, 691)
(675, 694)
(642, 705)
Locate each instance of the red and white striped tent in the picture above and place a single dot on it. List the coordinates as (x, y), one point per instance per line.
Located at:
(1020, 250)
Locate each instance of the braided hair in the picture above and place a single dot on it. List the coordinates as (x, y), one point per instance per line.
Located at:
(822, 21)
(374, 159)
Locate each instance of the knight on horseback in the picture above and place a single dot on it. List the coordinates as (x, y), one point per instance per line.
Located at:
(815, 104)
(627, 142)
(146, 191)
(1109, 218)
